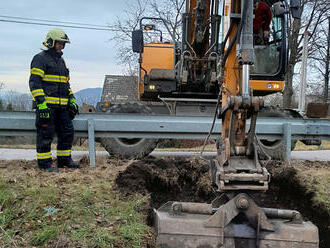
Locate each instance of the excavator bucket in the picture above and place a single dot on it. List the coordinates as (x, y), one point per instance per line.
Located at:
(239, 223)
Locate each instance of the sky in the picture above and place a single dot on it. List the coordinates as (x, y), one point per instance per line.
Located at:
(90, 55)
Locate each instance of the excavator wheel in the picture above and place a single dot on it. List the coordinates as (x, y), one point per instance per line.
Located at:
(276, 148)
(129, 148)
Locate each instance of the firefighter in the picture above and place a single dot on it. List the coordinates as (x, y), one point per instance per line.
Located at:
(261, 22)
(54, 102)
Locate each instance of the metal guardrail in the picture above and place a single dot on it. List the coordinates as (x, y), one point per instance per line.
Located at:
(92, 125)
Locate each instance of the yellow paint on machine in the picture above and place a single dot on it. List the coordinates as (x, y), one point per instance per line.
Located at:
(156, 55)
(264, 85)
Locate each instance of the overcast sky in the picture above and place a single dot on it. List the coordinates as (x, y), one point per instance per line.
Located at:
(90, 55)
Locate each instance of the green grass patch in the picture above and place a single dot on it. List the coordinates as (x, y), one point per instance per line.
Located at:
(72, 209)
(41, 238)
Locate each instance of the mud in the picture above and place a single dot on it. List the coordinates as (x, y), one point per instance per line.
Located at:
(166, 180)
(188, 180)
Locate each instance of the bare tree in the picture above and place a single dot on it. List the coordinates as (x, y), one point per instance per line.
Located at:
(171, 12)
(23, 102)
(314, 13)
(15, 101)
(321, 56)
(9, 99)
(2, 86)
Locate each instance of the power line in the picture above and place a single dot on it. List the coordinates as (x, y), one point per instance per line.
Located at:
(59, 25)
(43, 20)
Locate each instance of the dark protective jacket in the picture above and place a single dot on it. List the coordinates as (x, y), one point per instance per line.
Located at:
(49, 79)
(262, 17)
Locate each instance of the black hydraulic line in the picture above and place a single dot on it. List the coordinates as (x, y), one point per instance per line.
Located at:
(237, 36)
(240, 27)
(216, 7)
(227, 36)
(213, 122)
(230, 47)
(212, 7)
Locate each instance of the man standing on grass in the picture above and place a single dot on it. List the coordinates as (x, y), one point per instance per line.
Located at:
(54, 102)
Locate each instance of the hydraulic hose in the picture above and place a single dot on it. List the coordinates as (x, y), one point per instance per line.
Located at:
(237, 36)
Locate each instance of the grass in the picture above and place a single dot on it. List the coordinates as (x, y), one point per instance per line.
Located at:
(323, 190)
(299, 147)
(302, 147)
(88, 210)
(84, 147)
(317, 177)
(208, 148)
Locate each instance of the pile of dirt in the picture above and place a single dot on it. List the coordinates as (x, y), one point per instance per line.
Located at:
(167, 180)
(188, 180)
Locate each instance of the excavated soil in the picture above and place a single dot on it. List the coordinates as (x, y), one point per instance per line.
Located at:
(171, 179)
(166, 180)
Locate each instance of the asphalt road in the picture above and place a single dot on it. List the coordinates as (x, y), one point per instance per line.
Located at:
(30, 154)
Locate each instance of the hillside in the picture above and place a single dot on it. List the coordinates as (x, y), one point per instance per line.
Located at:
(89, 96)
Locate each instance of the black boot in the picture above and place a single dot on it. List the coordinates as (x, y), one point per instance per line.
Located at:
(47, 165)
(67, 162)
(51, 168)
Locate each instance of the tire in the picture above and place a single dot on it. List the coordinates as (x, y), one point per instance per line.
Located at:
(129, 148)
(276, 148)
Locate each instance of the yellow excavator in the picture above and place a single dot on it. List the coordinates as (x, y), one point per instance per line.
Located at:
(219, 59)
(185, 77)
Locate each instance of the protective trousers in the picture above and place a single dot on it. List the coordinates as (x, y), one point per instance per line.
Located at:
(61, 124)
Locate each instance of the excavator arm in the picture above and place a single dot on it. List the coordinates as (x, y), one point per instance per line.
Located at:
(238, 168)
(233, 220)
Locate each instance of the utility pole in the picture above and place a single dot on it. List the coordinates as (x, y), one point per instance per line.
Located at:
(303, 84)
(327, 63)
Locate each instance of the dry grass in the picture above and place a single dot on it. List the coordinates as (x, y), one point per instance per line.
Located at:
(84, 147)
(316, 176)
(302, 147)
(208, 148)
(89, 211)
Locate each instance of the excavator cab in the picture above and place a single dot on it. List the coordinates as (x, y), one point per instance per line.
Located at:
(268, 71)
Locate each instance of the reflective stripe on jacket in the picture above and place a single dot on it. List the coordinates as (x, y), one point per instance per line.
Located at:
(49, 79)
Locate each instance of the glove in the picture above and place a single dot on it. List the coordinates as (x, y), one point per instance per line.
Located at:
(73, 108)
(43, 111)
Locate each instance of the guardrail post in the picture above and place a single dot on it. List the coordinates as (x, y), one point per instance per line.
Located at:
(287, 141)
(91, 142)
